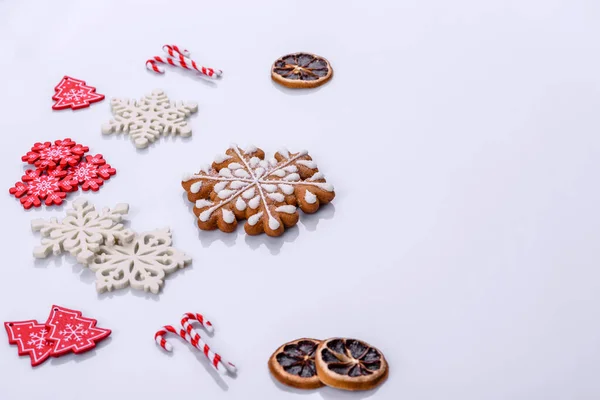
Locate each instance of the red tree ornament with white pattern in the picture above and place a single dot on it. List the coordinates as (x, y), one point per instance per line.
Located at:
(70, 331)
(74, 93)
(31, 339)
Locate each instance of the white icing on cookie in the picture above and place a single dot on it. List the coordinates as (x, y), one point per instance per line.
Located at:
(203, 203)
(286, 209)
(316, 176)
(220, 186)
(222, 158)
(286, 189)
(225, 193)
(240, 204)
(310, 197)
(248, 194)
(228, 216)
(292, 177)
(240, 173)
(284, 152)
(291, 168)
(273, 223)
(205, 215)
(254, 202)
(307, 163)
(254, 219)
(269, 188)
(195, 187)
(279, 173)
(276, 196)
(250, 149)
(254, 162)
(238, 184)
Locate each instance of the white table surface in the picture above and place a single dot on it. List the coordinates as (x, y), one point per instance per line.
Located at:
(462, 138)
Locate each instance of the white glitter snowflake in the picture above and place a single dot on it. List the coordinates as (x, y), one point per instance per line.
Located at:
(242, 184)
(38, 339)
(74, 333)
(141, 264)
(82, 231)
(145, 120)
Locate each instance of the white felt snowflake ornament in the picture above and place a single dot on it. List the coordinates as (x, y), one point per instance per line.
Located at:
(145, 120)
(141, 264)
(241, 184)
(82, 231)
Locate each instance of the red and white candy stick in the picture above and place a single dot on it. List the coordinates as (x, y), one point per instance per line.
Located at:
(160, 339)
(179, 58)
(198, 343)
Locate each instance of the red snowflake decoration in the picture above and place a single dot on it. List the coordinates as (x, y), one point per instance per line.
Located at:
(70, 331)
(91, 173)
(31, 339)
(61, 153)
(60, 170)
(74, 93)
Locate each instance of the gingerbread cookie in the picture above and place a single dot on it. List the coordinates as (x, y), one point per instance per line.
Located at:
(301, 71)
(293, 364)
(350, 364)
(241, 184)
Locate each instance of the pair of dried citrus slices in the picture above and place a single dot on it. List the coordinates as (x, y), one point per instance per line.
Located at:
(347, 364)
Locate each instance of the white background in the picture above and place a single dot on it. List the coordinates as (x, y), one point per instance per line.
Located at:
(462, 138)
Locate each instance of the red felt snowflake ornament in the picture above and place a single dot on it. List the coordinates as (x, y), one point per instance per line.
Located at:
(70, 331)
(74, 93)
(61, 153)
(91, 173)
(31, 339)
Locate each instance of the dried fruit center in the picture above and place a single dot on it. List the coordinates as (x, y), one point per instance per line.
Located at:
(304, 67)
(351, 357)
(299, 359)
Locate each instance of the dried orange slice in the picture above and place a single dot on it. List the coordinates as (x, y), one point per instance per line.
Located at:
(293, 364)
(301, 70)
(350, 364)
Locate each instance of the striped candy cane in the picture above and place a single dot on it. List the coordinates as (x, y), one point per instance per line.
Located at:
(198, 343)
(159, 336)
(206, 324)
(179, 58)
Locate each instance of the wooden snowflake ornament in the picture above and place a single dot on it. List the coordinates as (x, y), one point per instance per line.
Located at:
(241, 184)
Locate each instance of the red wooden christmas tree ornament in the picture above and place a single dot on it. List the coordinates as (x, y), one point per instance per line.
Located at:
(70, 331)
(74, 93)
(31, 339)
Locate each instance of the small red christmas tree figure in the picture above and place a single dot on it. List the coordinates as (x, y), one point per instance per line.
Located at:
(71, 92)
(31, 339)
(72, 332)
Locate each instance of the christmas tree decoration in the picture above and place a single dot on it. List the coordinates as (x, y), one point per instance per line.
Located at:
(31, 339)
(72, 332)
(74, 93)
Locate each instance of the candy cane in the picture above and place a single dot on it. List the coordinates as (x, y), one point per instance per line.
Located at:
(160, 340)
(179, 59)
(197, 341)
(215, 359)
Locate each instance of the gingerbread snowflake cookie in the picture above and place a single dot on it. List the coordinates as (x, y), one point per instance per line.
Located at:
(241, 184)
(301, 71)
